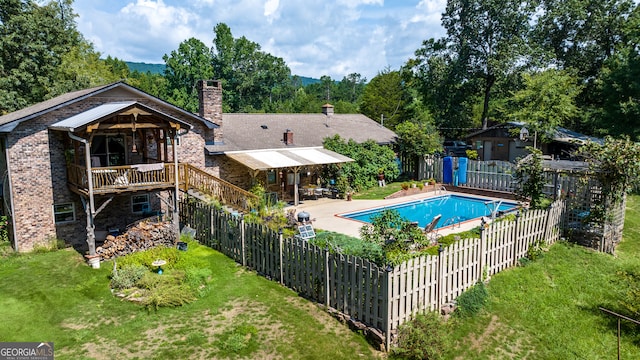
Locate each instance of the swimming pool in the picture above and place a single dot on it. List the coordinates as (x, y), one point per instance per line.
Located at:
(453, 208)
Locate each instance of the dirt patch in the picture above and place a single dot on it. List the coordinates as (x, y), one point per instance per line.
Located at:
(498, 340)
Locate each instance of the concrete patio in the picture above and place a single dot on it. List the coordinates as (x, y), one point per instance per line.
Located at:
(324, 213)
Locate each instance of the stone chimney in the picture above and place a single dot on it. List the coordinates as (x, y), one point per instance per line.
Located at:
(210, 106)
(327, 109)
(288, 137)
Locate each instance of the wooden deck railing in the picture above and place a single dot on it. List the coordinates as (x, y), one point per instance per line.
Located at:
(193, 178)
(117, 179)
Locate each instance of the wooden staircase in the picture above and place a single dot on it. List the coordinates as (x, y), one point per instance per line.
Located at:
(200, 184)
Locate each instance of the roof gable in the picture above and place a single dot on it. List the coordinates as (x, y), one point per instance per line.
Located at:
(100, 112)
(9, 121)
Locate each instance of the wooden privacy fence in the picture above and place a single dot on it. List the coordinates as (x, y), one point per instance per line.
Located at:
(380, 297)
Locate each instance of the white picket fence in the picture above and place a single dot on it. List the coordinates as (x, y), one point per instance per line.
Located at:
(425, 283)
(380, 297)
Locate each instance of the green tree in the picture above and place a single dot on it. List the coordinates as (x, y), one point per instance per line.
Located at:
(34, 39)
(154, 84)
(249, 76)
(350, 88)
(435, 73)
(184, 67)
(417, 139)
(385, 98)
(369, 158)
(620, 89)
(547, 101)
(582, 34)
(81, 67)
(593, 38)
(488, 38)
(530, 179)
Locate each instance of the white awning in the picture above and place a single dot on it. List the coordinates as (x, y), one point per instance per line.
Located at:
(286, 158)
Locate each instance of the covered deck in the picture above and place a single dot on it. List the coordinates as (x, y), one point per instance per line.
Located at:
(120, 179)
(119, 147)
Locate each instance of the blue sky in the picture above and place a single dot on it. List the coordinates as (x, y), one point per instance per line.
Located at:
(314, 37)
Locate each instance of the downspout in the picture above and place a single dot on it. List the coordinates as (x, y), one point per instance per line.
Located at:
(13, 218)
(91, 240)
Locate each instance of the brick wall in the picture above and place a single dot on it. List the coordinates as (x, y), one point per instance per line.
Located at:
(39, 180)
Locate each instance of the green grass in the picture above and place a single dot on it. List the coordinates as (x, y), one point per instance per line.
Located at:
(378, 192)
(56, 297)
(549, 309)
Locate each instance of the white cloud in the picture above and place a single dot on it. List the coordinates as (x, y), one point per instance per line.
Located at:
(270, 9)
(314, 37)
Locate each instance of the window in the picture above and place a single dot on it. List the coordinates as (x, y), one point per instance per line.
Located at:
(290, 178)
(63, 213)
(108, 150)
(140, 203)
(271, 177)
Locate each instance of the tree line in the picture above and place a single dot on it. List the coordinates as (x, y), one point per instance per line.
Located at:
(545, 63)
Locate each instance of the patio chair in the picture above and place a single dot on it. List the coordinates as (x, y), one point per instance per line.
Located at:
(430, 230)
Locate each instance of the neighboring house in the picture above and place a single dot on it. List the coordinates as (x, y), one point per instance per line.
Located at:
(503, 142)
(91, 161)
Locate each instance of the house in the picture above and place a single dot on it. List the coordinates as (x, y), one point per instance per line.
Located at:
(96, 160)
(92, 161)
(284, 151)
(508, 142)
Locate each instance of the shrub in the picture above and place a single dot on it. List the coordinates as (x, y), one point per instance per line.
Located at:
(197, 279)
(425, 337)
(404, 186)
(536, 250)
(168, 289)
(127, 276)
(470, 302)
(145, 258)
(348, 245)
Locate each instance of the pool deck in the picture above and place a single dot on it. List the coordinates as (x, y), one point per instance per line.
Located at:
(324, 212)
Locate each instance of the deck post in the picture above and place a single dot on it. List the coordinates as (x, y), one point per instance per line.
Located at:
(176, 219)
(91, 211)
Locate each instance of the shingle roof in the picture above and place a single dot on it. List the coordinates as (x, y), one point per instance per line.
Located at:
(48, 105)
(9, 121)
(559, 134)
(266, 131)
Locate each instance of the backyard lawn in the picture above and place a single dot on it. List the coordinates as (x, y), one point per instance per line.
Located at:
(56, 297)
(548, 309)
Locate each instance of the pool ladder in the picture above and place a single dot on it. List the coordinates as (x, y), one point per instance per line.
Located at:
(453, 221)
(441, 190)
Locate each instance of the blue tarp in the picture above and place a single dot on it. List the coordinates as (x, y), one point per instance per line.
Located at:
(462, 170)
(447, 170)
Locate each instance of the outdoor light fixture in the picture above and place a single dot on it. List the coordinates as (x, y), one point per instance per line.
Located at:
(134, 148)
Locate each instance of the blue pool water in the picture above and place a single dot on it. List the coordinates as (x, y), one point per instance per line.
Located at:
(454, 208)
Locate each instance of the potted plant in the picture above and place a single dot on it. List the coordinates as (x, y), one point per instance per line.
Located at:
(381, 177)
(348, 192)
